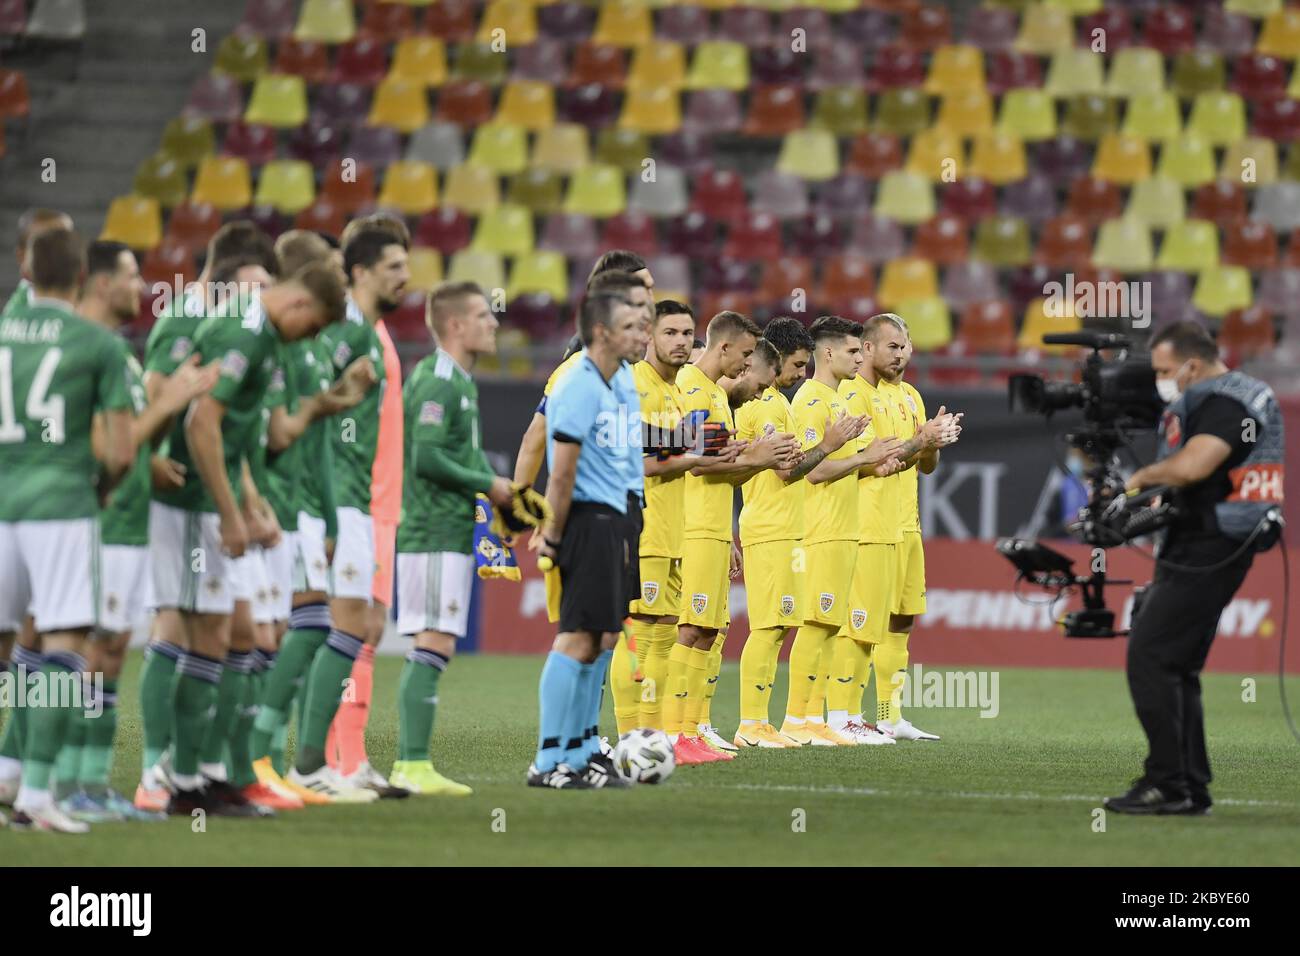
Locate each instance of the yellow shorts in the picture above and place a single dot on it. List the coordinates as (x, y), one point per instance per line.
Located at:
(872, 593)
(661, 587)
(826, 575)
(706, 582)
(910, 589)
(771, 585)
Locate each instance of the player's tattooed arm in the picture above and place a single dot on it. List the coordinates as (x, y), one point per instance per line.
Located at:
(840, 430)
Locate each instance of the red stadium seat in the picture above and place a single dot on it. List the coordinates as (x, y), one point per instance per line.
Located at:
(341, 104)
(847, 277)
(362, 61)
(897, 66)
(251, 142)
(776, 65)
(464, 102)
(774, 111)
(1065, 243)
(1231, 34)
(452, 19)
(756, 237)
(987, 328)
(1095, 200)
(926, 27)
(317, 142)
(970, 198)
(1247, 333)
(216, 97)
(193, 224)
(272, 19)
(167, 260)
(1169, 29)
(598, 63)
(694, 235)
(782, 278)
(819, 234)
(446, 229)
(322, 216)
(1063, 159)
(1277, 119)
(593, 105)
(352, 194)
(631, 230)
(942, 240)
(1249, 243)
(720, 194)
(1258, 76)
(1115, 23)
(816, 24)
(747, 24)
(15, 100)
(306, 58)
(1008, 69)
(13, 17)
(1222, 201)
(873, 154)
(386, 22)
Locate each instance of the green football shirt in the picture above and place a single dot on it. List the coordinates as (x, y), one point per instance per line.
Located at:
(284, 469)
(56, 371)
(445, 466)
(21, 295)
(313, 372)
(171, 340)
(354, 434)
(126, 519)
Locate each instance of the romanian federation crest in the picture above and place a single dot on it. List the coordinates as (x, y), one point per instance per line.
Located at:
(787, 605)
(827, 602)
(649, 591)
(858, 618)
(699, 603)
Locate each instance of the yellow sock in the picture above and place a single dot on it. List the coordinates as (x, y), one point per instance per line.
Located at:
(757, 668)
(805, 659)
(697, 674)
(652, 650)
(817, 699)
(891, 671)
(675, 702)
(851, 660)
(711, 684)
(862, 674)
(625, 691)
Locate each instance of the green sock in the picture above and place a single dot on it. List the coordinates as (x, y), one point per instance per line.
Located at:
(67, 765)
(97, 751)
(157, 687)
(417, 701)
(332, 666)
(234, 679)
(239, 766)
(278, 747)
(195, 700)
(47, 727)
(280, 683)
(15, 735)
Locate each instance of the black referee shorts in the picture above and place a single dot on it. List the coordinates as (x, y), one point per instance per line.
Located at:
(595, 554)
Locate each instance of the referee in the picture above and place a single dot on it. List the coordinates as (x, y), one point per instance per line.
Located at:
(593, 423)
(1221, 449)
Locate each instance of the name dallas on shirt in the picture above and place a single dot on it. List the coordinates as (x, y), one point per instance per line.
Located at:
(77, 909)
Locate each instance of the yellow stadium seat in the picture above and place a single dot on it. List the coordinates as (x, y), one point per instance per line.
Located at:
(1222, 289)
(1136, 70)
(562, 148)
(499, 147)
(277, 100)
(242, 56)
(485, 62)
(1045, 30)
(954, 69)
(842, 110)
(658, 64)
(420, 60)
(1188, 160)
(224, 182)
(401, 104)
(1076, 8)
(426, 269)
(937, 154)
(134, 220)
(189, 139)
(1253, 8)
(1190, 246)
(624, 23)
(485, 268)
(1153, 116)
(999, 157)
(527, 103)
(1002, 241)
(471, 188)
(625, 148)
(929, 324)
(326, 21)
(1218, 118)
(652, 110)
(835, 6)
(541, 271)
(1262, 157)
(810, 154)
(516, 19)
(287, 184)
(162, 177)
(409, 187)
(1158, 202)
(907, 278)
(1280, 34)
(1074, 71)
(597, 191)
(1123, 244)
(905, 197)
(538, 190)
(1028, 113)
(967, 113)
(1040, 321)
(507, 230)
(719, 65)
(1122, 159)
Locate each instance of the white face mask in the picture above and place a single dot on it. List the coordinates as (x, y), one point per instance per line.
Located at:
(1168, 389)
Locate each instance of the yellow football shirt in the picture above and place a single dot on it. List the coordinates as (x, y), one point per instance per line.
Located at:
(708, 498)
(665, 497)
(773, 509)
(560, 369)
(910, 410)
(830, 509)
(879, 507)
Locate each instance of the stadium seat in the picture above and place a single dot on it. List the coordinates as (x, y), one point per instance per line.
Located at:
(774, 111)
(664, 196)
(877, 239)
(500, 147)
(1279, 291)
(1257, 9)
(386, 22)
(241, 56)
(625, 148)
(1032, 199)
(1254, 155)
(840, 110)
(954, 69)
(571, 235)
(1074, 72)
(1065, 243)
(1096, 200)
(1089, 117)
(1277, 119)
(329, 21)
(400, 104)
(268, 219)
(1040, 321)
(561, 148)
(1044, 30)
(1169, 29)
(1227, 33)
(341, 104)
(873, 154)
(1001, 241)
(188, 139)
(967, 113)
(654, 110)
(747, 21)
(1197, 71)
(452, 19)
(787, 285)
(1278, 205)
(446, 228)
(1188, 160)
(539, 272)
(515, 19)
(279, 101)
(630, 230)
(593, 63)
(623, 23)
(193, 224)
(1221, 289)
(418, 59)
(818, 31)
(527, 104)
(903, 112)
(937, 154)
(1247, 333)
(719, 65)
(426, 269)
(993, 29)
(1136, 70)
(543, 61)
(465, 102)
(1122, 159)
(540, 191)
(905, 197)
(162, 177)
(316, 141)
(839, 65)
(713, 111)
(596, 191)
(847, 276)
(1029, 114)
(1258, 77)
(1115, 24)
(322, 216)
(1153, 117)
(349, 185)
(308, 59)
(658, 64)
(868, 28)
(1251, 244)
(377, 146)
(755, 237)
(779, 65)
(783, 195)
(998, 157)
(1280, 34)
(1171, 292)
(986, 328)
(897, 67)
(720, 195)
(1024, 284)
(362, 61)
(1222, 201)
(1010, 70)
(272, 19)
(507, 230)
(1157, 201)
(925, 27)
(1190, 246)
(134, 220)
(287, 184)
(162, 264)
(929, 324)
(810, 154)
(683, 25)
(942, 240)
(907, 278)
(1218, 118)
(224, 182)
(213, 96)
(485, 268)
(819, 234)
(409, 187)
(971, 198)
(480, 61)
(1123, 244)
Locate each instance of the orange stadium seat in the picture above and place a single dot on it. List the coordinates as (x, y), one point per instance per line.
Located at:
(847, 276)
(774, 111)
(1250, 244)
(942, 240)
(167, 260)
(987, 328)
(363, 61)
(1095, 199)
(465, 102)
(1222, 201)
(873, 154)
(15, 100)
(400, 104)
(1065, 243)
(386, 22)
(349, 185)
(308, 59)
(322, 216)
(452, 19)
(193, 224)
(134, 220)
(1247, 333)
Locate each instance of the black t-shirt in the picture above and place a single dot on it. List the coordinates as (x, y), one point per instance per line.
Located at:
(1225, 418)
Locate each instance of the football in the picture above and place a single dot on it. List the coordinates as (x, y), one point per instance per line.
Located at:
(644, 756)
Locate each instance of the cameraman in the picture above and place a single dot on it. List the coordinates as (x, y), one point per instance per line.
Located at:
(1221, 447)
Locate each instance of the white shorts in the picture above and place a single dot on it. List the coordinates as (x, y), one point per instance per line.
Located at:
(49, 569)
(258, 584)
(280, 562)
(312, 571)
(354, 556)
(433, 592)
(123, 581)
(190, 571)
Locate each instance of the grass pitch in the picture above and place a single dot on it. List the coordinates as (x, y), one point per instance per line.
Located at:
(1020, 788)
